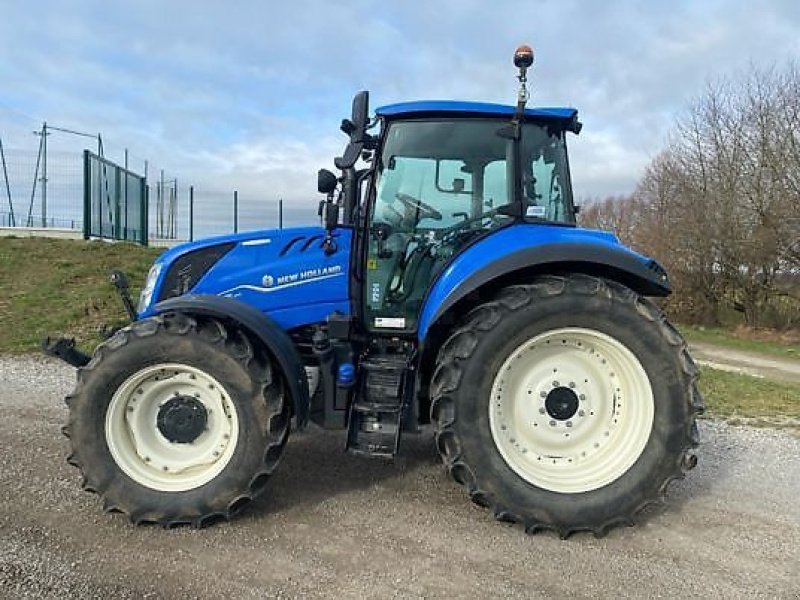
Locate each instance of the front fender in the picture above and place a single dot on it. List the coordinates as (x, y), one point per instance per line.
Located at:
(535, 248)
(276, 340)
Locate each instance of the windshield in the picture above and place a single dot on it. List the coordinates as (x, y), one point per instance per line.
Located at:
(459, 168)
(440, 184)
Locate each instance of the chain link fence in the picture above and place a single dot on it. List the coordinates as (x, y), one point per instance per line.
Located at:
(46, 189)
(33, 197)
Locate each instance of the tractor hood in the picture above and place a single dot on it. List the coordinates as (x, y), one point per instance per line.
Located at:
(283, 272)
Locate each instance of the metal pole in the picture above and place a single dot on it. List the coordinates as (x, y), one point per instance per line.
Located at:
(87, 195)
(125, 175)
(235, 211)
(280, 213)
(174, 209)
(191, 213)
(160, 205)
(29, 220)
(12, 221)
(44, 174)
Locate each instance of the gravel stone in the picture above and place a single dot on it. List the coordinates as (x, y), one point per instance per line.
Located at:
(334, 525)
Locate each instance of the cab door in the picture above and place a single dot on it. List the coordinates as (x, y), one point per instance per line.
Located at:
(437, 185)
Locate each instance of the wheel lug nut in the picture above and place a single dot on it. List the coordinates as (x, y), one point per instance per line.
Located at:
(555, 384)
(543, 394)
(582, 397)
(569, 423)
(541, 411)
(581, 413)
(552, 423)
(572, 384)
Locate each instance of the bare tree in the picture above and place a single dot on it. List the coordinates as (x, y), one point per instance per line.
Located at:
(720, 206)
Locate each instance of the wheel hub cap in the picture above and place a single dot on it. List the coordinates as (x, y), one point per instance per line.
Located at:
(571, 410)
(561, 403)
(182, 419)
(171, 427)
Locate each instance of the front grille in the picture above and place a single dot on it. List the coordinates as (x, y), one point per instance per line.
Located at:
(187, 270)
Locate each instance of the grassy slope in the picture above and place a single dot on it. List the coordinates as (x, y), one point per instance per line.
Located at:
(62, 286)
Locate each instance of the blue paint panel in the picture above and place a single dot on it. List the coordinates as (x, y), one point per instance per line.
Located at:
(471, 109)
(284, 273)
(306, 314)
(502, 243)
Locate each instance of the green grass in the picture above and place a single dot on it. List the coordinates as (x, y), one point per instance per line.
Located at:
(61, 286)
(732, 395)
(724, 337)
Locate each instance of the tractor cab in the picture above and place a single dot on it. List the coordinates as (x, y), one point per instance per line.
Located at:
(441, 175)
(445, 174)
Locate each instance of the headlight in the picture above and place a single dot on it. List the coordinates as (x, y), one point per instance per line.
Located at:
(149, 286)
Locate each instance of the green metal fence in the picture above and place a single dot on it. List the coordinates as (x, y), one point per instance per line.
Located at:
(114, 201)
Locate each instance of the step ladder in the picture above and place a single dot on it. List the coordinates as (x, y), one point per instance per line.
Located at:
(375, 415)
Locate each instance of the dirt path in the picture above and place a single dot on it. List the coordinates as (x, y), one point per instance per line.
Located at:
(751, 363)
(336, 526)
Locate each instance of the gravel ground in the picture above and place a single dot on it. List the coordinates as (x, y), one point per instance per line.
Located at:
(332, 525)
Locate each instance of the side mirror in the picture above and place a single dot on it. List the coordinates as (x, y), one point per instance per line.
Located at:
(356, 128)
(360, 116)
(326, 181)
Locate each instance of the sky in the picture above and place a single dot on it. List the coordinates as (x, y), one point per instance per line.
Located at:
(248, 95)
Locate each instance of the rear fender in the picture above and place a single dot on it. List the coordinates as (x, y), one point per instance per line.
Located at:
(275, 339)
(516, 253)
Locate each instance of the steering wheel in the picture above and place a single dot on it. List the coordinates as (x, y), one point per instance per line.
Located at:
(426, 211)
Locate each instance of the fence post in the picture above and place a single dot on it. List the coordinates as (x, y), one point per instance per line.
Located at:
(116, 229)
(87, 196)
(191, 213)
(44, 174)
(127, 206)
(235, 211)
(12, 219)
(145, 202)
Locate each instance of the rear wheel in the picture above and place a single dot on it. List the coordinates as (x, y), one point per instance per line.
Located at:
(567, 404)
(177, 420)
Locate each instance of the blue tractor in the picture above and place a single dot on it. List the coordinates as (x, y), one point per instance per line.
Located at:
(447, 286)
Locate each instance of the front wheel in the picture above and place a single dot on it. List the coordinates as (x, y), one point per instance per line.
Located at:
(177, 420)
(567, 404)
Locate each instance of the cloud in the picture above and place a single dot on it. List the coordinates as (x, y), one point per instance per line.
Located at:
(249, 94)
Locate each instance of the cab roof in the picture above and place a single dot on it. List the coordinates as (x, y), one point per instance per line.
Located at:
(471, 109)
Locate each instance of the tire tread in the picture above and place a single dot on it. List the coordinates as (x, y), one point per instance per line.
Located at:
(237, 344)
(458, 348)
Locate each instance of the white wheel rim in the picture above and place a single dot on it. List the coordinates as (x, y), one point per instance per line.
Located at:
(141, 450)
(531, 423)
